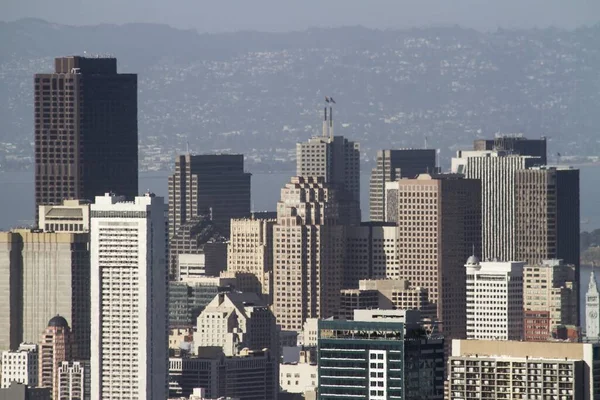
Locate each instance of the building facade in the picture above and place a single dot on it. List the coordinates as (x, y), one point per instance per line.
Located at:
(336, 160)
(494, 300)
(86, 132)
(20, 366)
(356, 299)
(308, 254)
(129, 357)
(250, 254)
(47, 274)
(56, 346)
(371, 252)
(514, 144)
(549, 298)
(213, 185)
(496, 170)
(439, 219)
(74, 380)
(523, 370)
(378, 360)
(72, 216)
(398, 294)
(392, 165)
(592, 310)
(235, 321)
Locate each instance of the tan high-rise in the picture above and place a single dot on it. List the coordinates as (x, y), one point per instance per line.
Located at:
(549, 287)
(55, 347)
(250, 254)
(439, 219)
(308, 253)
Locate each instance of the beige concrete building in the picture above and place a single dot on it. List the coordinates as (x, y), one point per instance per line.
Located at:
(47, 274)
(523, 370)
(74, 380)
(20, 366)
(356, 299)
(398, 294)
(391, 165)
(250, 254)
(439, 219)
(336, 160)
(72, 216)
(549, 287)
(309, 249)
(235, 321)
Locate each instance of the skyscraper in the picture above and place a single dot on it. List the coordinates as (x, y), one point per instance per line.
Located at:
(74, 380)
(308, 255)
(55, 347)
(48, 274)
(514, 144)
(213, 185)
(496, 171)
(439, 219)
(494, 306)
(85, 131)
(392, 165)
(549, 298)
(250, 254)
(337, 161)
(129, 299)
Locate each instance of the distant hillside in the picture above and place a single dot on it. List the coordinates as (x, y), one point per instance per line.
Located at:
(259, 93)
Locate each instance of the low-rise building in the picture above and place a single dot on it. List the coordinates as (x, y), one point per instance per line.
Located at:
(20, 366)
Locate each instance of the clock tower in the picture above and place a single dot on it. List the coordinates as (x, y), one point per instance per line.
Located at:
(592, 310)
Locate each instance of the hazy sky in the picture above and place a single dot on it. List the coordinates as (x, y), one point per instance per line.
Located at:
(285, 15)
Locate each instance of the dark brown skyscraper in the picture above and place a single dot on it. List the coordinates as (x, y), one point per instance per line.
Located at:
(85, 131)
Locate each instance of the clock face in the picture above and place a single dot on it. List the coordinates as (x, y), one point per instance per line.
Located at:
(593, 314)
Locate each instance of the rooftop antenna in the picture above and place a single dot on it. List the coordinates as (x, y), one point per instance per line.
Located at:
(332, 101)
(187, 147)
(558, 158)
(425, 141)
(325, 119)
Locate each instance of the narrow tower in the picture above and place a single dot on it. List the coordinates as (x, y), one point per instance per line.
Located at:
(592, 309)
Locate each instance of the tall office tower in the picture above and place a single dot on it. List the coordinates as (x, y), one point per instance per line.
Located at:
(308, 254)
(72, 216)
(592, 310)
(11, 290)
(547, 216)
(494, 300)
(20, 366)
(129, 298)
(47, 274)
(337, 161)
(356, 299)
(392, 165)
(85, 131)
(250, 254)
(549, 298)
(55, 347)
(234, 321)
(439, 219)
(371, 252)
(379, 359)
(74, 380)
(213, 185)
(515, 144)
(497, 171)
(502, 369)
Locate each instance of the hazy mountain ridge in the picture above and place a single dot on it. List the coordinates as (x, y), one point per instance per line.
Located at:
(259, 93)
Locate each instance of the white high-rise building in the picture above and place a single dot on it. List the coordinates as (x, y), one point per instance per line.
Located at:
(494, 300)
(129, 358)
(20, 366)
(592, 309)
(496, 171)
(73, 380)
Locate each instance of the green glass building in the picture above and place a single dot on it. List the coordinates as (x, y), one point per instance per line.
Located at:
(378, 361)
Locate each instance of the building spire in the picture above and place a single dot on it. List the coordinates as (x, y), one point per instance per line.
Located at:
(593, 286)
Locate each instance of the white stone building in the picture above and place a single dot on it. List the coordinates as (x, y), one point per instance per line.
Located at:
(494, 300)
(129, 356)
(74, 380)
(20, 366)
